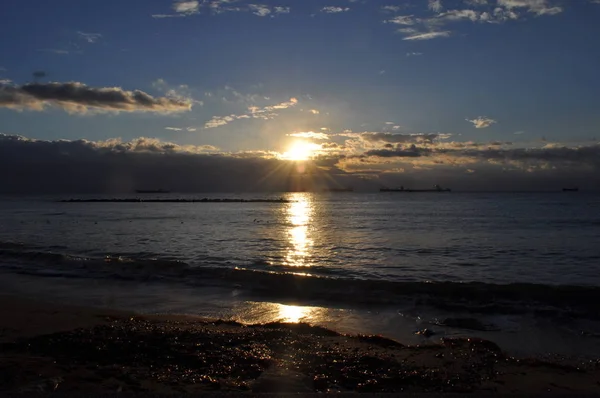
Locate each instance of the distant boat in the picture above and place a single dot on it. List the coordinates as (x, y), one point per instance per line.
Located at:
(570, 189)
(152, 191)
(348, 189)
(436, 188)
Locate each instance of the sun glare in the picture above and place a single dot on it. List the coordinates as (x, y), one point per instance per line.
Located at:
(300, 151)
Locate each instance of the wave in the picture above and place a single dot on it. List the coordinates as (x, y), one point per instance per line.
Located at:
(259, 280)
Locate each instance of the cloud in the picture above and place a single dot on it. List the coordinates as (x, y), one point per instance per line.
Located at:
(186, 7)
(310, 134)
(182, 9)
(427, 35)
(215, 7)
(413, 54)
(427, 27)
(391, 8)
(116, 166)
(334, 10)
(189, 129)
(217, 121)
(314, 111)
(75, 97)
(89, 37)
(260, 10)
(435, 5)
(395, 137)
(418, 28)
(254, 112)
(539, 7)
(481, 122)
(181, 92)
(403, 20)
(457, 15)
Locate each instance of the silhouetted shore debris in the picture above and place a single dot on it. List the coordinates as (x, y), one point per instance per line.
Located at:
(203, 200)
(174, 356)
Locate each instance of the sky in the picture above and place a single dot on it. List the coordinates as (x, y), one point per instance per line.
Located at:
(478, 94)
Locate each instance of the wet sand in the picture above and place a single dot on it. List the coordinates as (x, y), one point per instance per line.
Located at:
(53, 347)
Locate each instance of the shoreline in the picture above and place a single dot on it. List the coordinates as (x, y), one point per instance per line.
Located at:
(64, 348)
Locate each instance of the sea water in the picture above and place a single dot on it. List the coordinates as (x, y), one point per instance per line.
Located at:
(522, 268)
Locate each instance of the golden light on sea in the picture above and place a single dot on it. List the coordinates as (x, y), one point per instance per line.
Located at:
(299, 216)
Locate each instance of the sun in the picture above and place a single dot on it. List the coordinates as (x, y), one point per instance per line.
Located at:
(300, 151)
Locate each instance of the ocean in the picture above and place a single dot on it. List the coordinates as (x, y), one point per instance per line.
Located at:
(521, 269)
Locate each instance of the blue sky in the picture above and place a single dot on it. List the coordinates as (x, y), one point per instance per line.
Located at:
(243, 75)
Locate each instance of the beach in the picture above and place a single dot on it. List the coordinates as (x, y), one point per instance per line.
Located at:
(50, 346)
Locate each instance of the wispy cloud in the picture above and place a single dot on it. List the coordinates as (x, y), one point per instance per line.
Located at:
(417, 28)
(215, 7)
(427, 35)
(186, 7)
(539, 7)
(217, 121)
(435, 5)
(254, 112)
(413, 54)
(481, 122)
(334, 10)
(89, 37)
(181, 92)
(58, 51)
(407, 20)
(426, 27)
(75, 97)
(391, 8)
(189, 129)
(182, 9)
(310, 135)
(260, 9)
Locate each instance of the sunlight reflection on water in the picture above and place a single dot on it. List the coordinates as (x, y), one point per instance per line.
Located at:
(300, 215)
(265, 312)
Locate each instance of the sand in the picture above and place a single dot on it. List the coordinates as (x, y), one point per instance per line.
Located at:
(49, 347)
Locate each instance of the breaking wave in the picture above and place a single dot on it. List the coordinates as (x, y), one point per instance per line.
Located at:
(258, 279)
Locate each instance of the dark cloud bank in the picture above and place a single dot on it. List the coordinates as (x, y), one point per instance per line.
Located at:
(77, 97)
(60, 167)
